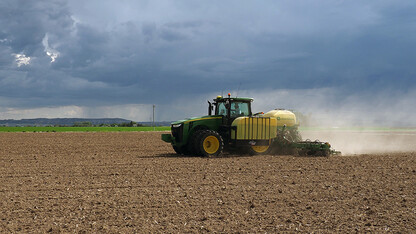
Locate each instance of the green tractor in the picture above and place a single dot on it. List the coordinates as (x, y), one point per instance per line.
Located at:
(231, 125)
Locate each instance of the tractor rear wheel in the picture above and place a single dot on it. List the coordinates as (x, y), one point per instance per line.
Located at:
(259, 149)
(210, 143)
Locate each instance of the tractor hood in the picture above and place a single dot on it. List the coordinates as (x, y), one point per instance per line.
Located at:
(206, 117)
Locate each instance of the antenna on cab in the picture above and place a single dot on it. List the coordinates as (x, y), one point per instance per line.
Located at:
(236, 95)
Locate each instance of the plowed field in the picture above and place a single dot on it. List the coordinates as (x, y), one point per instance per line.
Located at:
(133, 182)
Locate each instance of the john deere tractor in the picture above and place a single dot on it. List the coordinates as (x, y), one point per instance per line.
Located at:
(231, 125)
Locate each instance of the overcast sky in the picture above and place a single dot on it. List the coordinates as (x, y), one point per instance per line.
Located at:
(343, 60)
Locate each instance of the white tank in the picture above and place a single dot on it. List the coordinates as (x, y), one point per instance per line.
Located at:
(284, 117)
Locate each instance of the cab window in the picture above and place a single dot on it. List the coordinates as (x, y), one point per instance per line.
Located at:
(222, 110)
(239, 109)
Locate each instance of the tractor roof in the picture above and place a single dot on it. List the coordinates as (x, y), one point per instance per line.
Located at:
(241, 99)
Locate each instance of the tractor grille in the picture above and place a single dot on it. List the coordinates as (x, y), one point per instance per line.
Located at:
(177, 133)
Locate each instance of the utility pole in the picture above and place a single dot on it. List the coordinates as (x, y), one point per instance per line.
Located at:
(154, 128)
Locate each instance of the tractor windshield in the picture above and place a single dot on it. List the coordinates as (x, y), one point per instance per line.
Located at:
(237, 109)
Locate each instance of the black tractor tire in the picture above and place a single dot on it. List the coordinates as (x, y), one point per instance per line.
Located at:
(177, 149)
(209, 143)
(181, 150)
(193, 145)
(259, 150)
(185, 151)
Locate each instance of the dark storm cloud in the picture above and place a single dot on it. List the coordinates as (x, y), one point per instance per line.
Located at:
(24, 23)
(154, 52)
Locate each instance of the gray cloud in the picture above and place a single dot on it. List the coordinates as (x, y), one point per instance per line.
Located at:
(143, 52)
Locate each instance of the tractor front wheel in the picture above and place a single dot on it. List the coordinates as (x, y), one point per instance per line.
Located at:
(181, 150)
(177, 150)
(210, 144)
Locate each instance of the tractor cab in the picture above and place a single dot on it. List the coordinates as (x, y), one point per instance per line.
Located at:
(230, 108)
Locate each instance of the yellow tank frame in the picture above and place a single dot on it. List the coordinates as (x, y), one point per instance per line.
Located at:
(254, 128)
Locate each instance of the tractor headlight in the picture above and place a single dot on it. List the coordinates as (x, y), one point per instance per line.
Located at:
(176, 125)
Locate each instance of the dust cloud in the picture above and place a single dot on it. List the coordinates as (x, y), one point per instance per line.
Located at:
(366, 142)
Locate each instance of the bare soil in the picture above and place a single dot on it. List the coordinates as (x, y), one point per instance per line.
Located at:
(133, 182)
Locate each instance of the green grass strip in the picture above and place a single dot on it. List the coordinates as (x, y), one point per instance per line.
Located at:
(82, 129)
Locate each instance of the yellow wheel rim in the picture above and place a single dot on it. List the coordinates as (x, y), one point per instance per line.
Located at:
(260, 148)
(211, 144)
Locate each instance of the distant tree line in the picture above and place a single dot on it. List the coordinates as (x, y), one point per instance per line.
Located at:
(125, 124)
